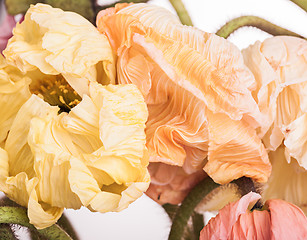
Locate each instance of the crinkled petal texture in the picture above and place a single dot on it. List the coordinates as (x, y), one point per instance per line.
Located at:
(58, 42)
(94, 156)
(14, 92)
(195, 85)
(282, 221)
(279, 65)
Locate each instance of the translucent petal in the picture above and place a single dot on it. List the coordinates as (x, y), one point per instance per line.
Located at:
(287, 180)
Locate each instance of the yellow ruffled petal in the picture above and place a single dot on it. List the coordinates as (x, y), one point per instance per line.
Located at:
(58, 42)
(183, 72)
(20, 155)
(14, 91)
(42, 215)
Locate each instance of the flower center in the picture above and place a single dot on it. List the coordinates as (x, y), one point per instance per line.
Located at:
(57, 92)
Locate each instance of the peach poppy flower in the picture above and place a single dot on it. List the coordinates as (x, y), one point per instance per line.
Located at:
(197, 90)
(278, 220)
(279, 65)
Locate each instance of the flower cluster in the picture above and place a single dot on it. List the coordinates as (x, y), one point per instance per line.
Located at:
(96, 116)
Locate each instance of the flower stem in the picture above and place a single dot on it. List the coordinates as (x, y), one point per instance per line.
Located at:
(181, 12)
(198, 224)
(18, 215)
(188, 205)
(186, 209)
(301, 3)
(253, 21)
(6, 233)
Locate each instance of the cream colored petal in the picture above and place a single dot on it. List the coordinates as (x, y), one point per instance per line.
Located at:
(296, 140)
(235, 151)
(19, 152)
(279, 66)
(287, 181)
(57, 42)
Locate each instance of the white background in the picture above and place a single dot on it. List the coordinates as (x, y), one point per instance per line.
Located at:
(144, 219)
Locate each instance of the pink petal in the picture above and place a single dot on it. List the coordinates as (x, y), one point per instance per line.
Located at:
(288, 221)
(221, 226)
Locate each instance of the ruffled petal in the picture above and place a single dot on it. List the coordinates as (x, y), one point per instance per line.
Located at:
(58, 42)
(236, 152)
(221, 226)
(16, 145)
(287, 181)
(280, 69)
(288, 221)
(296, 140)
(184, 72)
(14, 91)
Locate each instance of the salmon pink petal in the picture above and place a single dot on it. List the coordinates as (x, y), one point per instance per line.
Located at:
(288, 221)
(221, 226)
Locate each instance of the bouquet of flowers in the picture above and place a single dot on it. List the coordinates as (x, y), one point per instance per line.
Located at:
(100, 104)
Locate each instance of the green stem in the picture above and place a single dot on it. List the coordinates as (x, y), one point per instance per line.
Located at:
(188, 205)
(170, 209)
(17, 215)
(196, 195)
(301, 3)
(253, 21)
(198, 224)
(6, 232)
(181, 12)
(64, 223)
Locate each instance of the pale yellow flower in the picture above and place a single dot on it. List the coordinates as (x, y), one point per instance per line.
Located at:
(197, 90)
(14, 91)
(73, 142)
(57, 42)
(94, 156)
(279, 65)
